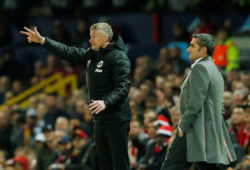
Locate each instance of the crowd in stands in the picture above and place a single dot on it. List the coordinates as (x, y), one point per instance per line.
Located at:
(62, 8)
(56, 132)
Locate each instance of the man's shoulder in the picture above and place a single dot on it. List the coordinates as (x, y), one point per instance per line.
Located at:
(117, 53)
(117, 56)
(206, 63)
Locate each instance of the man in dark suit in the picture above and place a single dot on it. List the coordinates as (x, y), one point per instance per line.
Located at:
(202, 136)
(107, 72)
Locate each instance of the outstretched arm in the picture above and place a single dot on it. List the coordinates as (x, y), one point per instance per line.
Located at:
(71, 54)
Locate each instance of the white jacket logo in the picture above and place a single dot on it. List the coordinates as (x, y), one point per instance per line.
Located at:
(88, 63)
(99, 65)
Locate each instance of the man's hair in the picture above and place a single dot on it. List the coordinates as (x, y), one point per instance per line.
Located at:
(206, 40)
(103, 27)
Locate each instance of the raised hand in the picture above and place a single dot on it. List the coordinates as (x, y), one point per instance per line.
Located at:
(33, 36)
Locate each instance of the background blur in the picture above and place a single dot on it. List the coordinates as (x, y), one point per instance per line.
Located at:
(43, 99)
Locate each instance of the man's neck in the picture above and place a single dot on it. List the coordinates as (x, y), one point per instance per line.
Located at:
(105, 44)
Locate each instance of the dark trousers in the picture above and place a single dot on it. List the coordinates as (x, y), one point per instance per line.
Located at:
(112, 145)
(177, 155)
(176, 158)
(206, 166)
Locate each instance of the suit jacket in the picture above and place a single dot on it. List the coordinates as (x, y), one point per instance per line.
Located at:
(201, 106)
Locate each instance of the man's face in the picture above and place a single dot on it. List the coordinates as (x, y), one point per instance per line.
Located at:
(50, 101)
(175, 116)
(227, 99)
(135, 129)
(97, 39)
(237, 116)
(160, 139)
(194, 50)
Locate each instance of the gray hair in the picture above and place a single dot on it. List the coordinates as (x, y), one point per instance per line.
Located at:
(206, 40)
(103, 27)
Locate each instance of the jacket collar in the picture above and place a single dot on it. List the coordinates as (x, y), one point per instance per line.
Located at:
(200, 59)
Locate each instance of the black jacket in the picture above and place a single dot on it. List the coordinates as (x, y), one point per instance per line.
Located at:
(107, 76)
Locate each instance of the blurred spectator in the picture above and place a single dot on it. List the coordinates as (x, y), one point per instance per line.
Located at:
(41, 111)
(3, 158)
(233, 75)
(175, 116)
(159, 82)
(67, 69)
(246, 118)
(137, 143)
(226, 53)
(167, 102)
(81, 38)
(58, 134)
(151, 130)
(39, 141)
(161, 121)
(179, 32)
(150, 101)
(21, 163)
(79, 107)
(162, 65)
(29, 154)
(149, 115)
(148, 71)
(238, 126)
(156, 150)
(46, 155)
(228, 25)
(31, 128)
(238, 98)
(245, 79)
(17, 87)
(62, 123)
(228, 101)
(139, 76)
(8, 95)
(18, 119)
(244, 164)
(66, 148)
(60, 33)
(33, 102)
(10, 66)
(81, 145)
(53, 111)
(5, 130)
(52, 65)
(177, 63)
(39, 72)
(4, 87)
(205, 25)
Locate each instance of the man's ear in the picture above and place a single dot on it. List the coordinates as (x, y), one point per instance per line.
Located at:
(204, 50)
(106, 37)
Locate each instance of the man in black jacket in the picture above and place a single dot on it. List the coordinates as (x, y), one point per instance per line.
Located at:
(108, 69)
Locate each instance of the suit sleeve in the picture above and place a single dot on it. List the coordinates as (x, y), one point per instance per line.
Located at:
(120, 73)
(198, 89)
(71, 54)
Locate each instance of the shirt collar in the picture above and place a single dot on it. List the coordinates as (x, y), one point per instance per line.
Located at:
(196, 61)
